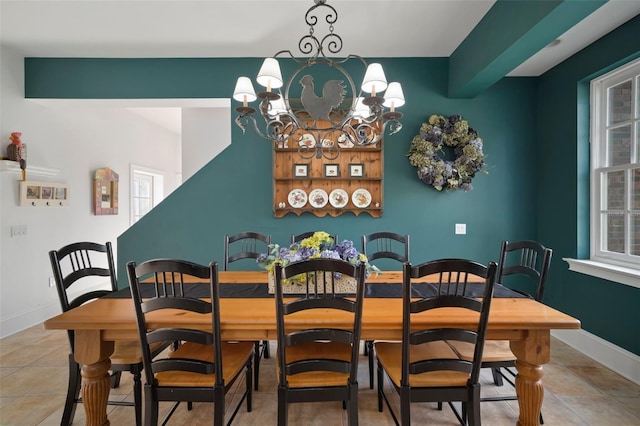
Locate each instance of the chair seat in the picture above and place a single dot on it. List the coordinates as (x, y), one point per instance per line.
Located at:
(235, 356)
(494, 351)
(315, 350)
(390, 356)
(130, 352)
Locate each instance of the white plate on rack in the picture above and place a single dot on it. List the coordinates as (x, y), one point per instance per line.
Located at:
(361, 198)
(344, 142)
(326, 143)
(338, 198)
(307, 140)
(318, 198)
(297, 198)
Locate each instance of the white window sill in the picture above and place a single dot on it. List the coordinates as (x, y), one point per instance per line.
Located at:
(619, 274)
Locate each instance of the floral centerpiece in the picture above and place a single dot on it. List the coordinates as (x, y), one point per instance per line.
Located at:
(427, 147)
(319, 245)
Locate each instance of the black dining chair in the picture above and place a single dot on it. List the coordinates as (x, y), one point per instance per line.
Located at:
(80, 270)
(523, 266)
(424, 367)
(241, 247)
(318, 363)
(383, 245)
(203, 368)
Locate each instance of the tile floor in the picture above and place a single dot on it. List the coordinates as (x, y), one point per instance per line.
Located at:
(578, 391)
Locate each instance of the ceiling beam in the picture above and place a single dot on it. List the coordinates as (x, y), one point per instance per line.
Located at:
(509, 34)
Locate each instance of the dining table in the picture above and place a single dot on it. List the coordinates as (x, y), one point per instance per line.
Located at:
(247, 312)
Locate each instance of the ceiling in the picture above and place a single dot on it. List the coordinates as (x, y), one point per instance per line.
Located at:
(259, 28)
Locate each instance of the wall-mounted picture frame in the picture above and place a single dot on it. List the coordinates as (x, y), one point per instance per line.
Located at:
(33, 192)
(46, 193)
(105, 192)
(332, 170)
(60, 193)
(300, 170)
(43, 194)
(356, 169)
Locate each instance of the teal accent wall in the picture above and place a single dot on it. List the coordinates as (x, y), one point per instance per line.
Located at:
(606, 309)
(536, 153)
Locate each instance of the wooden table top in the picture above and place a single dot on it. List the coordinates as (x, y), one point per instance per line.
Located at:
(256, 316)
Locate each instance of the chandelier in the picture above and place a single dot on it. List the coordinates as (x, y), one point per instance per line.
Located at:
(342, 116)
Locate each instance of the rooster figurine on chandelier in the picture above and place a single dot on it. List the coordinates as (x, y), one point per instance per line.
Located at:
(340, 111)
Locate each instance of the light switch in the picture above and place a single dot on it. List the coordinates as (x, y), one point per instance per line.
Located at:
(461, 228)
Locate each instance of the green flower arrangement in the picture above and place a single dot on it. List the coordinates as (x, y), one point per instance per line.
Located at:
(319, 245)
(428, 145)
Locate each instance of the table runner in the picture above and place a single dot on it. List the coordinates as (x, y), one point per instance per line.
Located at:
(381, 290)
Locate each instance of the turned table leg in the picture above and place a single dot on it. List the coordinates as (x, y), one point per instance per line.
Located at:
(531, 353)
(95, 391)
(93, 354)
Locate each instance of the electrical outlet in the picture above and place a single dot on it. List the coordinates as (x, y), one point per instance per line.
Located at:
(19, 230)
(52, 282)
(461, 228)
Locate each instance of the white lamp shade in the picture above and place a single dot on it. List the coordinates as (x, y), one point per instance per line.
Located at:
(361, 110)
(374, 79)
(269, 75)
(244, 90)
(394, 96)
(277, 107)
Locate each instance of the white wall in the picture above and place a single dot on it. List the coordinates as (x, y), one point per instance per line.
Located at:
(205, 133)
(75, 141)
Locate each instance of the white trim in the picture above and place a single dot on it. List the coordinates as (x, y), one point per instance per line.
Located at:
(22, 321)
(600, 166)
(11, 166)
(139, 103)
(607, 271)
(621, 361)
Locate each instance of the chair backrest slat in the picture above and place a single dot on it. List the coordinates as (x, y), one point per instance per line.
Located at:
(386, 245)
(167, 279)
(525, 258)
(77, 265)
(244, 245)
(453, 292)
(315, 300)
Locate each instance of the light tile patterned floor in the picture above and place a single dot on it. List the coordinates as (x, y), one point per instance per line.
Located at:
(578, 391)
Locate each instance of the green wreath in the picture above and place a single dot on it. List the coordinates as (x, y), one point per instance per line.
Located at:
(427, 147)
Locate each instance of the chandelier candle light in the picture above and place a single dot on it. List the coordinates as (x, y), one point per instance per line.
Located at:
(342, 112)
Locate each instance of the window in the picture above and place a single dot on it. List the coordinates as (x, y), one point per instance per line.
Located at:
(146, 191)
(615, 167)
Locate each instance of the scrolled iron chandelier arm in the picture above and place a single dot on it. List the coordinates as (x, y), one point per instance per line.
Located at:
(363, 123)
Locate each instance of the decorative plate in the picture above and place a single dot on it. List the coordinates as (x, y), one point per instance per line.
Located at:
(318, 198)
(338, 198)
(297, 198)
(307, 140)
(344, 142)
(326, 143)
(361, 198)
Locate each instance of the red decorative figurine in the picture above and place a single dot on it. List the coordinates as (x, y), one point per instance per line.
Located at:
(17, 151)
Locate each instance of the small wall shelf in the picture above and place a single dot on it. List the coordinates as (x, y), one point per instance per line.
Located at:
(10, 166)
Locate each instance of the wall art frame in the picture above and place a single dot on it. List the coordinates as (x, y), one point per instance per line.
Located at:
(105, 192)
(43, 194)
(356, 169)
(300, 170)
(331, 170)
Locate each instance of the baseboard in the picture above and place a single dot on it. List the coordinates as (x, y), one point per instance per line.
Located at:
(9, 326)
(621, 361)
(26, 320)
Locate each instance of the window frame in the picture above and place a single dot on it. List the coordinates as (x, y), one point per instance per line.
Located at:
(157, 188)
(626, 267)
